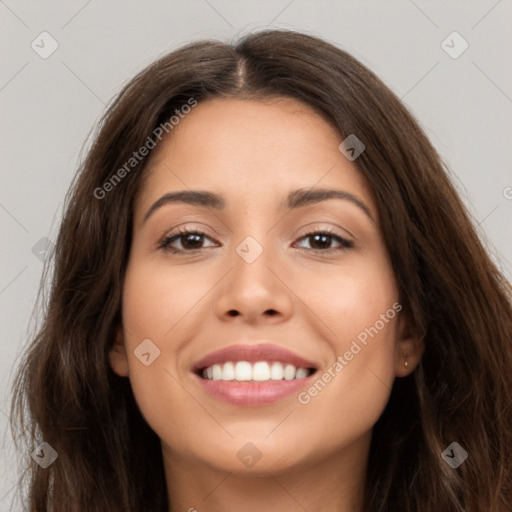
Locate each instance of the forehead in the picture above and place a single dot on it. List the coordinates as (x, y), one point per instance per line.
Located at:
(251, 152)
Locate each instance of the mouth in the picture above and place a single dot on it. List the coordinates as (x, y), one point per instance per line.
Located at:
(259, 371)
(251, 375)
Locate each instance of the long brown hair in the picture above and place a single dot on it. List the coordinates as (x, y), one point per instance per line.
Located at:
(458, 302)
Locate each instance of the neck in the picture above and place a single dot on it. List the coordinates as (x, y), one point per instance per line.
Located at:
(334, 483)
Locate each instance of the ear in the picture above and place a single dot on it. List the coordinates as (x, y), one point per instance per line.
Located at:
(409, 347)
(117, 356)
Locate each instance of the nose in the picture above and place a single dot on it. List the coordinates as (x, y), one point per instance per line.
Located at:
(254, 290)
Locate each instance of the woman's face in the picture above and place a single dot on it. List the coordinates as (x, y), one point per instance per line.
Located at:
(264, 284)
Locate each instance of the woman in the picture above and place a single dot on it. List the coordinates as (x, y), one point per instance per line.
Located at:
(205, 345)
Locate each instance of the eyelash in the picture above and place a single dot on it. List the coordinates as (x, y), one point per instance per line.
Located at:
(164, 244)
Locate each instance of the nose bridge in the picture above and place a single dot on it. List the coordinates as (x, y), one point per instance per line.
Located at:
(256, 248)
(250, 249)
(253, 256)
(252, 287)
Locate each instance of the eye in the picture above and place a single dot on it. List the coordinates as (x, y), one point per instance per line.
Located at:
(190, 240)
(323, 239)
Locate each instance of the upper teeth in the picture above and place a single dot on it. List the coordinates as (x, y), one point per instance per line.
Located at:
(260, 371)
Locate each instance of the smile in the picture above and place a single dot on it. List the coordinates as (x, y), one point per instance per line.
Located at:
(254, 372)
(253, 375)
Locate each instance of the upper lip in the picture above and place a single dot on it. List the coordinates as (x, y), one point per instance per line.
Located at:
(253, 353)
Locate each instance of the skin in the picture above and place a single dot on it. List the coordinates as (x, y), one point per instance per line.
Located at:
(313, 456)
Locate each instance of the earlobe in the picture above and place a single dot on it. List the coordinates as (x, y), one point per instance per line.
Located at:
(117, 356)
(409, 349)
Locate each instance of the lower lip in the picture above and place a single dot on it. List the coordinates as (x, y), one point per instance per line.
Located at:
(253, 393)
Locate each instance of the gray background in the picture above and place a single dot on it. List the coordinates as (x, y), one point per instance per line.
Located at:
(48, 106)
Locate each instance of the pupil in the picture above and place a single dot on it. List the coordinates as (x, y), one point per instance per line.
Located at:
(194, 243)
(323, 238)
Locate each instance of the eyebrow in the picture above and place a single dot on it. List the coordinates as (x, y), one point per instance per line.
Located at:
(295, 199)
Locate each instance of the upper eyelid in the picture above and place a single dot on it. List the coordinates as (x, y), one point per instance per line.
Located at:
(309, 229)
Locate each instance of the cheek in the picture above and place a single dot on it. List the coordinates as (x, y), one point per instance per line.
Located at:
(153, 299)
(347, 301)
(358, 311)
(162, 305)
